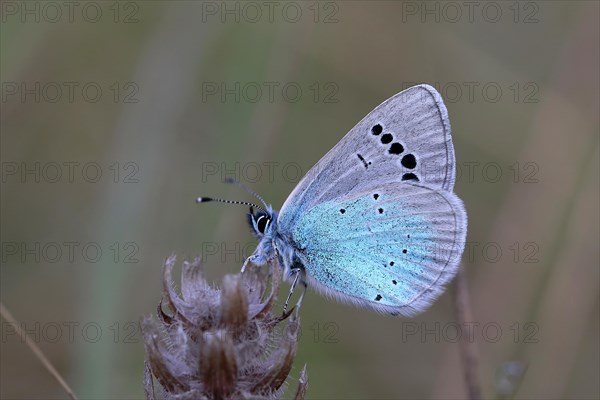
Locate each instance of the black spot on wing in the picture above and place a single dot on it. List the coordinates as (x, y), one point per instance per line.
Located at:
(378, 297)
(410, 177)
(409, 161)
(396, 148)
(376, 129)
(387, 138)
(361, 158)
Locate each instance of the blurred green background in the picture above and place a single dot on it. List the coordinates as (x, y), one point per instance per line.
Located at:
(116, 115)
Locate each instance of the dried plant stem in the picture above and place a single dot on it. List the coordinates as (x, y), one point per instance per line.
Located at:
(36, 350)
(468, 347)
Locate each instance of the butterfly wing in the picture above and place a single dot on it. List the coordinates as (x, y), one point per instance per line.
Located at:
(407, 136)
(398, 159)
(391, 247)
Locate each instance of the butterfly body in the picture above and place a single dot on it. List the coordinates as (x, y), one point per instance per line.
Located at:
(375, 222)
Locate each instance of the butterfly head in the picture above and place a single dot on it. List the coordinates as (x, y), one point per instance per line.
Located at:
(262, 222)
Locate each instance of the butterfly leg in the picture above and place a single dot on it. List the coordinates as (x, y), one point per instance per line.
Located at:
(250, 259)
(301, 297)
(297, 279)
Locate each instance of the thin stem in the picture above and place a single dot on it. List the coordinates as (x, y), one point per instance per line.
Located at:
(36, 350)
(468, 348)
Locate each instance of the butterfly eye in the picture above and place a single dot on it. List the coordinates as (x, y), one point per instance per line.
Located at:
(262, 223)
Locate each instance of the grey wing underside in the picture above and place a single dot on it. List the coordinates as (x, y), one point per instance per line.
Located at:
(414, 144)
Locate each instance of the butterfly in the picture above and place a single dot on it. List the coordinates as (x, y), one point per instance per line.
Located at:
(375, 222)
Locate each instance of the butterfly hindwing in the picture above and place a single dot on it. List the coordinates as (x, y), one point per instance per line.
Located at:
(390, 247)
(407, 138)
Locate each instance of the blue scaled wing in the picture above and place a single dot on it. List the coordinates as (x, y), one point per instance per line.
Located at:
(391, 247)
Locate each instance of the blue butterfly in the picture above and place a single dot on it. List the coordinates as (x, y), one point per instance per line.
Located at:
(375, 222)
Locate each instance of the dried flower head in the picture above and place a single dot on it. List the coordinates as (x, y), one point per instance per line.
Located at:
(221, 343)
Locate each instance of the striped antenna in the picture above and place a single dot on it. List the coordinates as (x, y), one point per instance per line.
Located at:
(247, 189)
(209, 199)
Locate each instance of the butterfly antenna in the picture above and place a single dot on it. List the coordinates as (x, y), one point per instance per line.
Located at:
(244, 203)
(247, 189)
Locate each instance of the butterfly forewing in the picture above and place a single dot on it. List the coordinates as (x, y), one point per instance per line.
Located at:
(407, 138)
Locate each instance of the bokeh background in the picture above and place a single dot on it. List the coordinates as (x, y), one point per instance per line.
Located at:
(116, 115)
